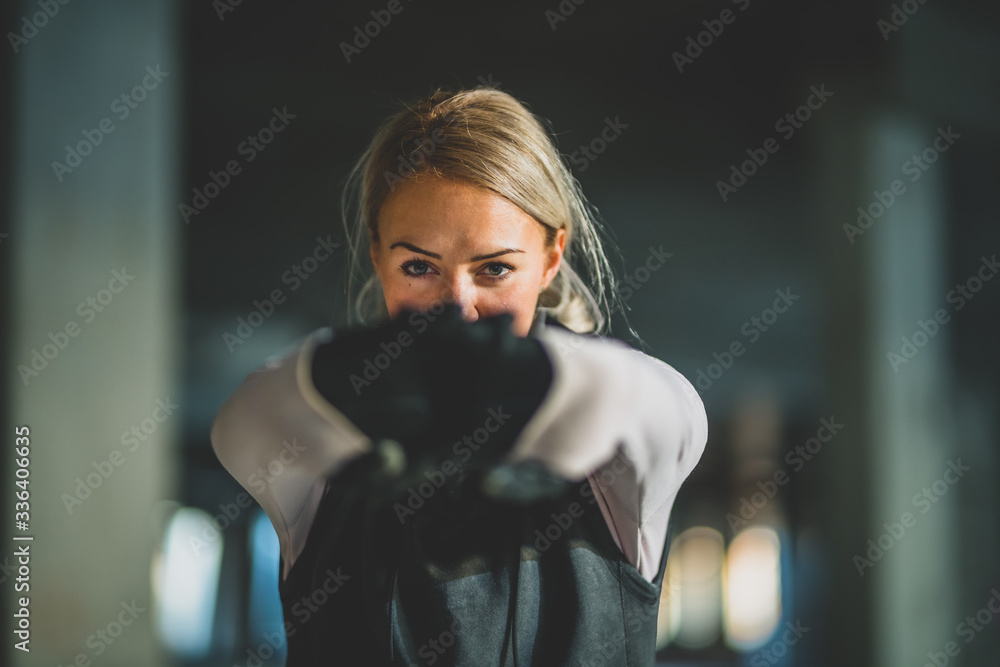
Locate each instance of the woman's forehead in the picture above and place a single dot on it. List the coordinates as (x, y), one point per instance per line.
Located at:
(436, 213)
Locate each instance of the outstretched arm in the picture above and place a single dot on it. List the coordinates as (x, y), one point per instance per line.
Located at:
(281, 440)
(609, 399)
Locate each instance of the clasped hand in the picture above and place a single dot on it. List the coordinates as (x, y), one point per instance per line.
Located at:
(429, 382)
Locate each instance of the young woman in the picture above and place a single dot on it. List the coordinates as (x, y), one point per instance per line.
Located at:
(483, 478)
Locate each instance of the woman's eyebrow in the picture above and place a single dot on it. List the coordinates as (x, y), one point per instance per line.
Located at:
(437, 256)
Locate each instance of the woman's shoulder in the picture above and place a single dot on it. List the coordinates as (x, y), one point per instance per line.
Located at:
(565, 342)
(593, 363)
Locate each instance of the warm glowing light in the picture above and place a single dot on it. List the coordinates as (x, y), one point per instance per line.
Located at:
(694, 578)
(752, 588)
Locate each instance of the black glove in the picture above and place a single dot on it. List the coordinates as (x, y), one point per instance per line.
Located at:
(488, 377)
(433, 382)
(488, 386)
(377, 381)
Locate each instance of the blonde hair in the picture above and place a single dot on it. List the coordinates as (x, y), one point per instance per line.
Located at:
(487, 138)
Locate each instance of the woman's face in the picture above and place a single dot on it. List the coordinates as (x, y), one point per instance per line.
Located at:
(444, 241)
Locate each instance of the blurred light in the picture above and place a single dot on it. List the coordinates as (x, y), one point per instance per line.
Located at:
(752, 588)
(187, 582)
(695, 582)
(265, 604)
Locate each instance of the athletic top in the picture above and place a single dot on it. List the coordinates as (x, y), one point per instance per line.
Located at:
(462, 579)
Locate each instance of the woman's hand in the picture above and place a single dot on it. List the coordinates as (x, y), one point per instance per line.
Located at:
(375, 377)
(444, 389)
(486, 382)
(494, 384)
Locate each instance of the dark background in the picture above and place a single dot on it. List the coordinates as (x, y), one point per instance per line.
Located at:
(655, 185)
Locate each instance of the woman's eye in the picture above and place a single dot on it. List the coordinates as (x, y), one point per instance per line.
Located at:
(507, 269)
(416, 268)
(422, 268)
(499, 270)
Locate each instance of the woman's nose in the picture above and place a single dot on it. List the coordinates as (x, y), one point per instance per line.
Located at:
(467, 308)
(462, 296)
(469, 313)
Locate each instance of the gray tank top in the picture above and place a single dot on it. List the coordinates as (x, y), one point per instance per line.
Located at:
(463, 580)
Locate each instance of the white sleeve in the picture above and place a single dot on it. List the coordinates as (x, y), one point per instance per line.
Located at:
(281, 439)
(632, 425)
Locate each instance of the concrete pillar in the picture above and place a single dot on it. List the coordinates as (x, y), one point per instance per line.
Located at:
(884, 278)
(94, 324)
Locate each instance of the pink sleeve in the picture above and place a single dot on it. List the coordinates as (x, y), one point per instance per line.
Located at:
(281, 439)
(632, 425)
